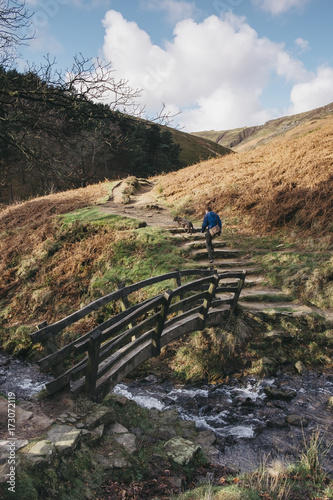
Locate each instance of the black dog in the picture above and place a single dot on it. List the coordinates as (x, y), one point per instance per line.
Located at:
(186, 224)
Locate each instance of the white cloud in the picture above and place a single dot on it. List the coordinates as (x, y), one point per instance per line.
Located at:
(214, 71)
(302, 44)
(276, 7)
(316, 92)
(176, 9)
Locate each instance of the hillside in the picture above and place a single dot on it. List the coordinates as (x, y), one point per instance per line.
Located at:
(53, 138)
(246, 138)
(287, 183)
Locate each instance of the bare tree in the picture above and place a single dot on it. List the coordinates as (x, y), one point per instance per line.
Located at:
(14, 20)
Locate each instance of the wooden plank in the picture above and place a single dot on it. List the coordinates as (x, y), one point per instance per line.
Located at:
(63, 380)
(187, 304)
(46, 332)
(132, 316)
(67, 350)
(111, 360)
(92, 364)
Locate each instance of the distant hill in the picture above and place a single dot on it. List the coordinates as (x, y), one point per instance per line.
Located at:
(241, 139)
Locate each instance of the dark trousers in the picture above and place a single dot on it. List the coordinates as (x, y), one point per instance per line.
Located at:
(209, 245)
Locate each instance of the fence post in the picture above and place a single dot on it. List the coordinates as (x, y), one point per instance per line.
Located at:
(50, 347)
(208, 300)
(124, 303)
(237, 293)
(156, 337)
(92, 364)
(178, 281)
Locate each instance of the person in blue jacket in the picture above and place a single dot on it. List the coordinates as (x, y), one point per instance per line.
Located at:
(213, 224)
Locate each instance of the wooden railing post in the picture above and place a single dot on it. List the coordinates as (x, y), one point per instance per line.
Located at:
(124, 303)
(237, 293)
(178, 281)
(207, 301)
(156, 338)
(51, 347)
(92, 364)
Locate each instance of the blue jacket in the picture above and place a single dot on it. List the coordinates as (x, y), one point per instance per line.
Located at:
(210, 220)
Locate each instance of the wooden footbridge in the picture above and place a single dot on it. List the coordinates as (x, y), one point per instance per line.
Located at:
(101, 358)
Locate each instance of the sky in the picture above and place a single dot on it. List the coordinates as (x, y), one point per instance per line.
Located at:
(214, 64)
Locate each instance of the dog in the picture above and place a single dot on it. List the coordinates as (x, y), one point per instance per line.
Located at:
(186, 224)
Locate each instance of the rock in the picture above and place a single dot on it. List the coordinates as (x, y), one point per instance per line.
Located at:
(181, 450)
(297, 420)
(116, 428)
(43, 451)
(330, 402)
(5, 448)
(96, 434)
(64, 437)
(102, 415)
(128, 441)
(113, 461)
(205, 438)
(120, 400)
(275, 393)
(301, 369)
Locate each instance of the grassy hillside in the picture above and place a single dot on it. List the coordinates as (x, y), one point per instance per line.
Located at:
(285, 184)
(59, 252)
(241, 139)
(195, 149)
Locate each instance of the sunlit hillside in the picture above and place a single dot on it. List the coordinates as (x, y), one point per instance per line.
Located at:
(286, 183)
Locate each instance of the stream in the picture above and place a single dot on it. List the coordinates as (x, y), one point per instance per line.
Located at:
(250, 424)
(24, 379)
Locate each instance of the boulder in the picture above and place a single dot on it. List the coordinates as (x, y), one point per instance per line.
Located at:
(181, 450)
(41, 452)
(64, 437)
(275, 393)
(128, 441)
(301, 369)
(297, 420)
(102, 415)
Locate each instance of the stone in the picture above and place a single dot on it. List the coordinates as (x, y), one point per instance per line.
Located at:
(181, 450)
(128, 441)
(4, 448)
(116, 428)
(275, 393)
(96, 434)
(102, 415)
(297, 420)
(64, 437)
(113, 461)
(301, 369)
(120, 400)
(330, 402)
(43, 451)
(206, 438)
(72, 420)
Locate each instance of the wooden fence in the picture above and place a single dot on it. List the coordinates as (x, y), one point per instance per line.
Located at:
(117, 346)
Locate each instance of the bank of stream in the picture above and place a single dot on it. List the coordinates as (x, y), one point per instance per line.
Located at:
(254, 419)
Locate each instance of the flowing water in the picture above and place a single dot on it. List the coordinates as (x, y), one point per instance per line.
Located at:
(23, 379)
(249, 425)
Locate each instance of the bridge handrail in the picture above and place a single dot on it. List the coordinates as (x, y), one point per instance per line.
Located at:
(48, 331)
(107, 343)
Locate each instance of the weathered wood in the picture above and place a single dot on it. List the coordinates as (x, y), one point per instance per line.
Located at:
(208, 300)
(186, 304)
(92, 364)
(113, 350)
(237, 293)
(67, 350)
(156, 338)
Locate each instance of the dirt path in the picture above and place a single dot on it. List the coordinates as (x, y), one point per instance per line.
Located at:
(142, 206)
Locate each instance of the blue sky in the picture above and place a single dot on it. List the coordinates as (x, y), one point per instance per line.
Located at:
(222, 63)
